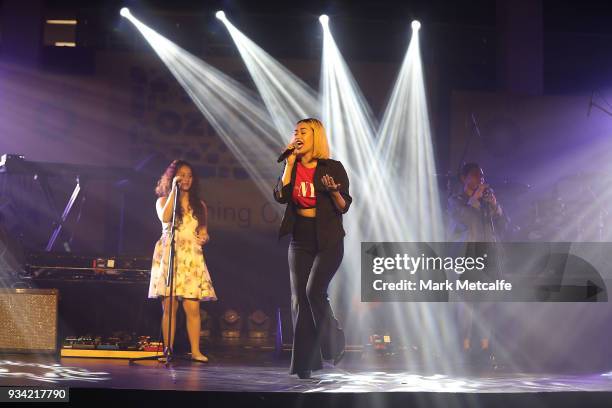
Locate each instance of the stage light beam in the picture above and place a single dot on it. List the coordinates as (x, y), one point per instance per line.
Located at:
(405, 145)
(378, 215)
(287, 97)
(236, 113)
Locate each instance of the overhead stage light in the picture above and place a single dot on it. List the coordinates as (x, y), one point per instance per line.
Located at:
(124, 12)
(324, 19)
(416, 25)
(220, 15)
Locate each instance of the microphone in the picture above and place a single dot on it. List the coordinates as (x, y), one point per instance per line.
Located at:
(285, 154)
(488, 191)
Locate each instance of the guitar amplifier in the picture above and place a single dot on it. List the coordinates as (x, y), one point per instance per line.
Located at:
(28, 320)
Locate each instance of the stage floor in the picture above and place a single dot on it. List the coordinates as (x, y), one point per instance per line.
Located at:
(258, 375)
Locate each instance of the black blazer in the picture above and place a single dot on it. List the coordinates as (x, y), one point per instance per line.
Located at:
(329, 218)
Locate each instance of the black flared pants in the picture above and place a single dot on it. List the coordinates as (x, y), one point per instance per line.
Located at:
(317, 334)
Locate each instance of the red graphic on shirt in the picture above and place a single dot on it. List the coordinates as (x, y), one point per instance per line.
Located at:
(303, 191)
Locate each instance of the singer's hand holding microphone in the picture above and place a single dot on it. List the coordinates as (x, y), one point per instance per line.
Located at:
(176, 182)
(489, 197)
(289, 154)
(484, 192)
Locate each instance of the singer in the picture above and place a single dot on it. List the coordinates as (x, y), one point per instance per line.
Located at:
(316, 191)
(477, 218)
(475, 213)
(192, 282)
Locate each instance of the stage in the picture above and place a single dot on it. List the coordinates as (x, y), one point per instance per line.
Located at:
(417, 189)
(260, 380)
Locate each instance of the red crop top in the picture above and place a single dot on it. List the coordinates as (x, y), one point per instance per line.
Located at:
(303, 194)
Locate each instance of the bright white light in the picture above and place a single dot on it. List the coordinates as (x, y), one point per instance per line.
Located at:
(236, 113)
(324, 19)
(398, 152)
(416, 25)
(376, 216)
(48, 373)
(220, 15)
(286, 96)
(405, 145)
(352, 131)
(124, 12)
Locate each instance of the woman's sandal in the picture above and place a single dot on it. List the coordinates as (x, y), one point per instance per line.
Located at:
(202, 359)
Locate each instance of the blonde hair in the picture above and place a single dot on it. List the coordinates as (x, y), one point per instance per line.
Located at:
(320, 149)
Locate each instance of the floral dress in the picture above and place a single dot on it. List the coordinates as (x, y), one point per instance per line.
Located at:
(191, 277)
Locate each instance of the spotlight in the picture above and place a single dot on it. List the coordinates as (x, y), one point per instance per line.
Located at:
(258, 325)
(416, 25)
(220, 15)
(324, 19)
(231, 324)
(124, 12)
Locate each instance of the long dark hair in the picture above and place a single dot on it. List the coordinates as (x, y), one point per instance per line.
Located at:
(164, 185)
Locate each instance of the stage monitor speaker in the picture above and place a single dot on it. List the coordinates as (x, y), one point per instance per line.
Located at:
(28, 320)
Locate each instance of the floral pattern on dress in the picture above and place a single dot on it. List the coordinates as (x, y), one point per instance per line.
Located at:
(191, 276)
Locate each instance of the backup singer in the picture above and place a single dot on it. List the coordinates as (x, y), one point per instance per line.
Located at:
(192, 282)
(476, 215)
(316, 191)
(477, 218)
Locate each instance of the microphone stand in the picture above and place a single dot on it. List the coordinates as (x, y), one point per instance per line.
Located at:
(474, 133)
(168, 355)
(500, 258)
